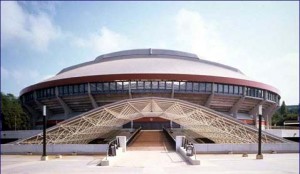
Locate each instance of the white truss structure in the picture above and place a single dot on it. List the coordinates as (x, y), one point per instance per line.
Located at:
(200, 120)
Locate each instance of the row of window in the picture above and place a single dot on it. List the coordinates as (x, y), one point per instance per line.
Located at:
(73, 89)
(150, 85)
(272, 96)
(137, 86)
(228, 89)
(43, 93)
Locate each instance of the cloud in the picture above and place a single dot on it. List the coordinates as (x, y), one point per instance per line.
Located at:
(195, 35)
(105, 41)
(4, 73)
(18, 25)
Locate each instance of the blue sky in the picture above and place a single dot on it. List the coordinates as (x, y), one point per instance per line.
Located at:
(38, 39)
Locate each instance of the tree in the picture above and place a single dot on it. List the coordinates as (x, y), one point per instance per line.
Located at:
(13, 116)
(283, 110)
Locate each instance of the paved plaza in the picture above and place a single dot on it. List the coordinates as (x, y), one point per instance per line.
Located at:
(152, 162)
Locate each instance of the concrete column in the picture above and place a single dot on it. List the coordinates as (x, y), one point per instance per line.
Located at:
(171, 124)
(172, 95)
(122, 141)
(94, 104)
(129, 89)
(236, 107)
(67, 109)
(211, 96)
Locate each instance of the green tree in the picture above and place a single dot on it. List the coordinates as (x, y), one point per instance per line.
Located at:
(13, 116)
(283, 110)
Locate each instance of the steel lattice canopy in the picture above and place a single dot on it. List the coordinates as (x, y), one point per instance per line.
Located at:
(201, 120)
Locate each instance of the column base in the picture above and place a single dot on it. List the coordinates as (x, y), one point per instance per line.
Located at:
(259, 156)
(44, 158)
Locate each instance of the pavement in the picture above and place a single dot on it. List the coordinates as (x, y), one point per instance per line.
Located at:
(152, 154)
(145, 162)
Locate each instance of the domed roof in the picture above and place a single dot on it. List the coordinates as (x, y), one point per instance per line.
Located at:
(140, 64)
(149, 61)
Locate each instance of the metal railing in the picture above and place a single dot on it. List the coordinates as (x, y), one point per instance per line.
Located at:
(284, 127)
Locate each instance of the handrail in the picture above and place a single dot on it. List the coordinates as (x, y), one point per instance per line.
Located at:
(170, 136)
(285, 127)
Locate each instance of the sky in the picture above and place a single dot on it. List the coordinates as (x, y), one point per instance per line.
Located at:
(261, 39)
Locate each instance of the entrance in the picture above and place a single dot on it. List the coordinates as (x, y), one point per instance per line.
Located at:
(150, 140)
(151, 123)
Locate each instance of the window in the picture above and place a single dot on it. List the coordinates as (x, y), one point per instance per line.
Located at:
(60, 90)
(182, 86)
(70, 89)
(168, 85)
(236, 90)
(140, 85)
(154, 85)
(196, 87)
(99, 87)
(215, 87)
(226, 89)
(112, 86)
(147, 85)
(76, 89)
(162, 85)
(81, 88)
(241, 90)
(220, 88)
(125, 85)
(189, 86)
(105, 86)
(93, 87)
(208, 87)
(202, 87)
(176, 86)
(230, 89)
(133, 85)
(66, 91)
(119, 86)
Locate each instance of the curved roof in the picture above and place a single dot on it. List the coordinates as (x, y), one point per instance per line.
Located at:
(151, 64)
(149, 61)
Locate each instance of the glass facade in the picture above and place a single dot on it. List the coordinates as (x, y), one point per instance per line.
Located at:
(152, 86)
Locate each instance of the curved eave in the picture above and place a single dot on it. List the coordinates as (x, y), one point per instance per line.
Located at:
(177, 77)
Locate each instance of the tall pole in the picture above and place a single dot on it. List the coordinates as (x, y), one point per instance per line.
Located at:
(259, 154)
(44, 156)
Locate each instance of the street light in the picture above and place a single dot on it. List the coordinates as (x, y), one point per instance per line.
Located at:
(259, 154)
(44, 156)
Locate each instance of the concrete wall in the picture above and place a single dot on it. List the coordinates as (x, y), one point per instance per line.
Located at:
(247, 148)
(284, 132)
(55, 149)
(19, 134)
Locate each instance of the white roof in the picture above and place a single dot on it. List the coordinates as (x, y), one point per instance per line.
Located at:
(149, 61)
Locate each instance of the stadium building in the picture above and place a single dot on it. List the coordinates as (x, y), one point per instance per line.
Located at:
(149, 73)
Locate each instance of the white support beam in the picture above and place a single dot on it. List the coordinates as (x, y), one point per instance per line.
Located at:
(66, 108)
(236, 106)
(173, 90)
(210, 98)
(129, 90)
(49, 113)
(94, 103)
(254, 111)
(268, 113)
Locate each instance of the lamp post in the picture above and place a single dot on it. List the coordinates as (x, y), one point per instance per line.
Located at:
(259, 154)
(44, 156)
